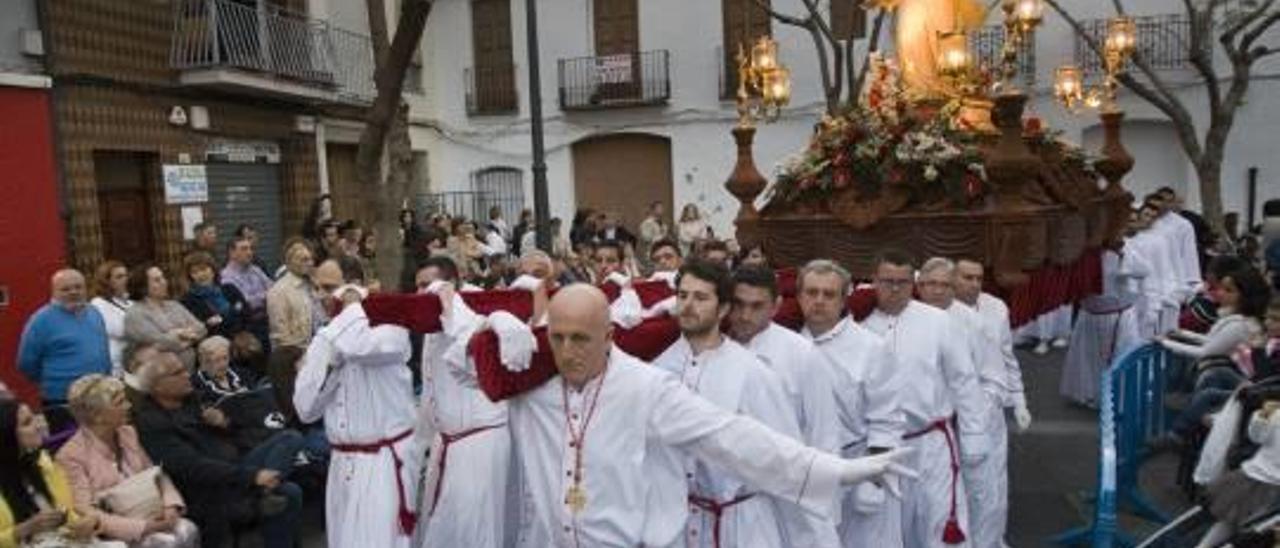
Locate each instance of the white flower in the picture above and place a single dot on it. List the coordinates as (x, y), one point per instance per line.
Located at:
(930, 172)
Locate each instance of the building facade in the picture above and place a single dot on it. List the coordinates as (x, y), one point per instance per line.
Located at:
(637, 102)
(31, 230)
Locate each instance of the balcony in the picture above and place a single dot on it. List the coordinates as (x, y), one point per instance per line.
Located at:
(260, 49)
(615, 81)
(987, 45)
(491, 90)
(1164, 42)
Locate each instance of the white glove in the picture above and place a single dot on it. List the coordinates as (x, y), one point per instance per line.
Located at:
(668, 276)
(525, 283)
(516, 342)
(1022, 416)
(868, 497)
(626, 310)
(665, 307)
(885, 465)
(619, 278)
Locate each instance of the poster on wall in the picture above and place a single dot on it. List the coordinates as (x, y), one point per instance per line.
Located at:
(185, 184)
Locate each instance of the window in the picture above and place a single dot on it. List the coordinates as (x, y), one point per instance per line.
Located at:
(491, 82)
(744, 21)
(498, 186)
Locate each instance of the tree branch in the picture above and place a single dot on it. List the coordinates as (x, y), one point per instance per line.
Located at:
(872, 45)
(1200, 55)
(388, 78)
(376, 10)
(788, 19)
(1247, 42)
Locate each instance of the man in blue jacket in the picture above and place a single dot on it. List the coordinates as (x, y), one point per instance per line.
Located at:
(63, 341)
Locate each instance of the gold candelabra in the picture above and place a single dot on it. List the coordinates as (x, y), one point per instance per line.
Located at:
(1117, 48)
(764, 85)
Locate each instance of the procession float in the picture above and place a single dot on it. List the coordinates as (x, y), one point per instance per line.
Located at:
(937, 157)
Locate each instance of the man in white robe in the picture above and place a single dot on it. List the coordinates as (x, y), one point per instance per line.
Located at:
(866, 387)
(603, 446)
(941, 391)
(353, 376)
(1181, 235)
(724, 512)
(986, 481)
(465, 489)
(1162, 296)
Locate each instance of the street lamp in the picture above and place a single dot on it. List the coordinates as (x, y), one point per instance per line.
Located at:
(764, 85)
(1021, 17)
(1068, 86)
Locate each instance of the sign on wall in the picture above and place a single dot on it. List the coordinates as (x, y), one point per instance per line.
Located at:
(185, 184)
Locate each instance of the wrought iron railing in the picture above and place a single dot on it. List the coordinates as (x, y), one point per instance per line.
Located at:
(621, 80)
(491, 90)
(1163, 42)
(273, 41)
(987, 45)
(472, 204)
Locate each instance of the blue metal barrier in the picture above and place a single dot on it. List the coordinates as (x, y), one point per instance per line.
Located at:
(1131, 413)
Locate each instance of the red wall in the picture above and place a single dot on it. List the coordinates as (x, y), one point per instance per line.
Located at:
(32, 245)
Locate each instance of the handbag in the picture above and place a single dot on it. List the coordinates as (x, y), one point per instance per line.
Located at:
(137, 497)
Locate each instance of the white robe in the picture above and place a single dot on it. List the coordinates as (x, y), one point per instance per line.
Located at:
(1108, 327)
(353, 376)
(645, 426)
(732, 378)
(1160, 290)
(986, 482)
(1181, 235)
(807, 377)
(939, 381)
(866, 386)
(472, 509)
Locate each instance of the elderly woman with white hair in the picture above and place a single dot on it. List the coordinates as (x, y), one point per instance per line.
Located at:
(100, 460)
(215, 378)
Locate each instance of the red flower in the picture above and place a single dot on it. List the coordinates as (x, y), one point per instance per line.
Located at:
(805, 183)
(972, 185)
(1032, 125)
(841, 179)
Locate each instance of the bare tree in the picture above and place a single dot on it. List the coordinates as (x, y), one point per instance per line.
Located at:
(385, 139)
(1237, 27)
(842, 77)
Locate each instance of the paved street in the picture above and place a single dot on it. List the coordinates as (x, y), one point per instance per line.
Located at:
(1054, 463)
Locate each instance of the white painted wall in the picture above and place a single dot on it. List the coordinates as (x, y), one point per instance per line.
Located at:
(698, 123)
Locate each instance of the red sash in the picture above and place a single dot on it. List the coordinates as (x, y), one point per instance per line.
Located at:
(952, 534)
(717, 510)
(445, 441)
(407, 518)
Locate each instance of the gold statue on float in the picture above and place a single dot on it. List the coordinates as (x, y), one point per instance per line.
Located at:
(919, 26)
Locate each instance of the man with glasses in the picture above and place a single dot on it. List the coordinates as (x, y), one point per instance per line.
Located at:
(867, 386)
(941, 397)
(220, 486)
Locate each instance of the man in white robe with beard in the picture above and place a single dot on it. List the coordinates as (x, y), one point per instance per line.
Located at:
(723, 511)
(986, 481)
(940, 393)
(603, 446)
(866, 385)
(353, 376)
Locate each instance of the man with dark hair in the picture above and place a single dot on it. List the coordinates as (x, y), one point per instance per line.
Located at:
(330, 244)
(732, 378)
(944, 392)
(807, 378)
(867, 386)
(1184, 241)
(716, 251)
(252, 281)
(608, 259)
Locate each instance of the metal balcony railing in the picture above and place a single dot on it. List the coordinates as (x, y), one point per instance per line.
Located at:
(987, 45)
(609, 81)
(1164, 42)
(491, 90)
(264, 39)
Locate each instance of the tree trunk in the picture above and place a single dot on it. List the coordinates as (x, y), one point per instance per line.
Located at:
(385, 137)
(1209, 173)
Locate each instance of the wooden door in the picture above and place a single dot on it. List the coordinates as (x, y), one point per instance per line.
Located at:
(344, 187)
(617, 32)
(623, 174)
(126, 226)
(493, 75)
(744, 21)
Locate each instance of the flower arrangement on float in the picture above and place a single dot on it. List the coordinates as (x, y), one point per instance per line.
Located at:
(889, 140)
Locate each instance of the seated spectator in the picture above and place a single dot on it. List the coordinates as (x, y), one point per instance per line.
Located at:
(1242, 298)
(248, 355)
(157, 319)
(135, 355)
(111, 298)
(220, 485)
(215, 379)
(293, 307)
(37, 508)
(220, 306)
(753, 256)
(102, 454)
(246, 274)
